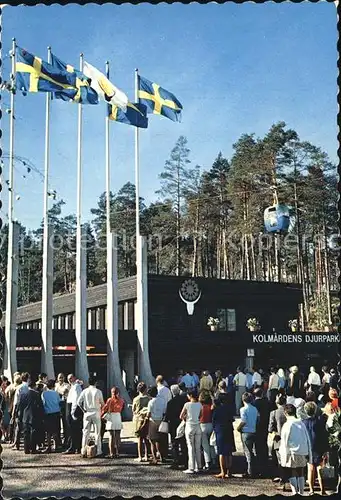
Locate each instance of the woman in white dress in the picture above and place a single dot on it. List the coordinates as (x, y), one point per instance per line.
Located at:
(295, 449)
(111, 411)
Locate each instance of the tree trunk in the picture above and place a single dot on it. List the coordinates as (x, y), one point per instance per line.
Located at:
(208, 264)
(327, 274)
(218, 271)
(226, 261)
(200, 263)
(195, 241)
(270, 270)
(246, 249)
(194, 257)
(304, 317)
(264, 264)
(305, 280)
(277, 264)
(254, 268)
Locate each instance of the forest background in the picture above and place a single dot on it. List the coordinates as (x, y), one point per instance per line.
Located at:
(210, 223)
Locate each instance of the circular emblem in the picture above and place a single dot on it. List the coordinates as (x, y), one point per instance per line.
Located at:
(190, 290)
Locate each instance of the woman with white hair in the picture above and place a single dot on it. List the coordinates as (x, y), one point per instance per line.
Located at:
(295, 383)
(281, 378)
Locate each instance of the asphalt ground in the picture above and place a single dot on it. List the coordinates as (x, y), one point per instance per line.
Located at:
(59, 475)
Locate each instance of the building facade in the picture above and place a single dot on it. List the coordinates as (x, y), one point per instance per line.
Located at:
(179, 337)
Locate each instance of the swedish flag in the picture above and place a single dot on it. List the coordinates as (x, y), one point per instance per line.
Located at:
(83, 93)
(158, 100)
(135, 115)
(35, 75)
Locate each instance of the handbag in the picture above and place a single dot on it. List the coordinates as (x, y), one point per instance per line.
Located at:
(90, 448)
(180, 431)
(163, 427)
(327, 471)
(213, 439)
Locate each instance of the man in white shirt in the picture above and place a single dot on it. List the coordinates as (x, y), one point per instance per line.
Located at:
(239, 381)
(91, 402)
(273, 388)
(188, 381)
(256, 379)
(314, 381)
(73, 418)
(163, 392)
(164, 395)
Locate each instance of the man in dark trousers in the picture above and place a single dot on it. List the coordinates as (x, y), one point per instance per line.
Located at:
(172, 416)
(31, 414)
(261, 444)
(74, 416)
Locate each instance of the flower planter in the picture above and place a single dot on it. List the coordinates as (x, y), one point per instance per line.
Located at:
(252, 328)
(214, 328)
(294, 329)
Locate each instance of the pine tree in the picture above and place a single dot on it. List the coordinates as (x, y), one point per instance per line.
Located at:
(174, 186)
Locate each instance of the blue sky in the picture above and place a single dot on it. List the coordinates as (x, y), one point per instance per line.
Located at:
(235, 68)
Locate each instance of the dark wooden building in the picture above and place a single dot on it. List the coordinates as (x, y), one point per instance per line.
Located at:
(179, 337)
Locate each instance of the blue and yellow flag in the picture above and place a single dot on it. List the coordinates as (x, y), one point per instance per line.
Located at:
(35, 75)
(83, 93)
(135, 115)
(158, 100)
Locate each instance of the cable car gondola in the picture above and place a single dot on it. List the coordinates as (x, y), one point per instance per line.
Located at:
(277, 218)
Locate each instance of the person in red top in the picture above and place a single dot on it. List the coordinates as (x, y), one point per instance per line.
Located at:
(205, 399)
(334, 399)
(111, 411)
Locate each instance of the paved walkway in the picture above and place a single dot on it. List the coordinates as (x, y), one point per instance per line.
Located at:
(59, 475)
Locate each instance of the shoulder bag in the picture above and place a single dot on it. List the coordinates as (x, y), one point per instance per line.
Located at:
(163, 427)
(213, 439)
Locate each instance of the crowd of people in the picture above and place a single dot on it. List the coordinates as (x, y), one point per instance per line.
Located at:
(193, 416)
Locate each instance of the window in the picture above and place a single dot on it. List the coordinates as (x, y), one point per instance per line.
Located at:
(231, 320)
(221, 315)
(227, 319)
(131, 316)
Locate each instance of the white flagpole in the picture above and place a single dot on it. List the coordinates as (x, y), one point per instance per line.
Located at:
(47, 292)
(107, 163)
(11, 141)
(141, 317)
(114, 375)
(81, 363)
(10, 360)
(137, 165)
